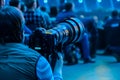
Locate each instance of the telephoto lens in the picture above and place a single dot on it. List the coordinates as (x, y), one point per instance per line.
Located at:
(68, 31)
(48, 41)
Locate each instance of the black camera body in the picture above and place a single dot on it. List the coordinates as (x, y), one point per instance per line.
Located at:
(42, 42)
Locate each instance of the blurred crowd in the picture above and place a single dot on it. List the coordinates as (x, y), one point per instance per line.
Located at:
(28, 15)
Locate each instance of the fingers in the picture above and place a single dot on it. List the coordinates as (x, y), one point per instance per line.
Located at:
(60, 55)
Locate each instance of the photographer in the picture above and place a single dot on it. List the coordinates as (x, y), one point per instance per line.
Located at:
(17, 61)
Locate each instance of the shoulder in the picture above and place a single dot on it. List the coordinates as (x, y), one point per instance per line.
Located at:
(23, 49)
(43, 69)
(38, 12)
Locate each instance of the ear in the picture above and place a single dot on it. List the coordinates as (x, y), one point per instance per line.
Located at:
(21, 36)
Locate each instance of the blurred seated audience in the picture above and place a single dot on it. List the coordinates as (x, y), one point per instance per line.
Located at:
(67, 12)
(53, 13)
(91, 29)
(46, 16)
(34, 18)
(83, 44)
(17, 61)
(112, 31)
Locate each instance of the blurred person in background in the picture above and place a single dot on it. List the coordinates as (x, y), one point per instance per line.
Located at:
(67, 12)
(2, 3)
(112, 31)
(33, 16)
(53, 13)
(46, 16)
(15, 3)
(83, 44)
(92, 31)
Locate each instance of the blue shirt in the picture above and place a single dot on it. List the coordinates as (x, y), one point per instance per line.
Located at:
(65, 15)
(44, 71)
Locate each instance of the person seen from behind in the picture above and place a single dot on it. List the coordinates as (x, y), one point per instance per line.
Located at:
(17, 61)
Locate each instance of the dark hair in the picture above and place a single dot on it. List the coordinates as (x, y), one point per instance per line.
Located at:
(29, 3)
(114, 13)
(23, 7)
(43, 8)
(14, 2)
(11, 24)
(68, 6)
(53, 11)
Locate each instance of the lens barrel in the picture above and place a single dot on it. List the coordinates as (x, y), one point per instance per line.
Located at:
(68, 31)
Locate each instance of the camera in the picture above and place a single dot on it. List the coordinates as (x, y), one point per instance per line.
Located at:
(66, 32)
(51, 41)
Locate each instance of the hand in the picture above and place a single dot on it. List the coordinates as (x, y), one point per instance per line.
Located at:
(59, 64)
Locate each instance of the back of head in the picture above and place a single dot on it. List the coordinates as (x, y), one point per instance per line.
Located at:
(30, 3)
(114, 13)
(11, 25)
(68, 6)
(14, 3)
(23, 7)
(43, 8)
(53, 11)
